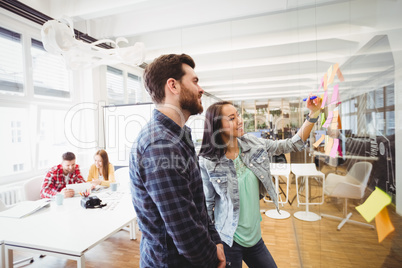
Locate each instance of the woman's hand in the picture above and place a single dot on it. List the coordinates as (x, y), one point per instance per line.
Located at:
(314, 106)
(96, 182)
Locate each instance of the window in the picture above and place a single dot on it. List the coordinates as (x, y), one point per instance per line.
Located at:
(134, 88)
(15, 137)
(11, 63)
(380, 110)
(16, 131)
(349, 115)
(123, 87)
(33, 128)
(115, 85)
(50, 75)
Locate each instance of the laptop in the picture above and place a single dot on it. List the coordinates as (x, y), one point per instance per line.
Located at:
(79, 187)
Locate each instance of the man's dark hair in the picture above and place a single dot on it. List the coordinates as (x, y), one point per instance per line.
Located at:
(68, 156)
(160, 70)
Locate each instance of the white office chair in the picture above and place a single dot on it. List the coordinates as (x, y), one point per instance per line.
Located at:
(352, 186)
(2, 260)
(31, 191)
(122, 175)
(84, 172)
(32, 187)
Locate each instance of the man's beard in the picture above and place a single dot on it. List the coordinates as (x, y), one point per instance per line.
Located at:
(189, 101)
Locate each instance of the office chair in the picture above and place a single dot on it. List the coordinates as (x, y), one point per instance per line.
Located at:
(350, 186)
(31, 191)
(122, 175)
(29, 259)
(32, 187)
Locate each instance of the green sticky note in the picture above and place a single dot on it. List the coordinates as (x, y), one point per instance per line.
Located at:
(322, 119)
(374, 204)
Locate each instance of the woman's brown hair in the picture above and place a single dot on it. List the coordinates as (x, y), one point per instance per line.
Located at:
(105, 163)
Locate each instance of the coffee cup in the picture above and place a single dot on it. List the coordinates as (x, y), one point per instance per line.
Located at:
(59, 199)
(113, 186)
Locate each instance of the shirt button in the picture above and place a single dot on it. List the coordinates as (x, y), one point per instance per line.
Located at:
(262, 176)
(263, 157)
(219, 181)
(242, 154)
(251, 165)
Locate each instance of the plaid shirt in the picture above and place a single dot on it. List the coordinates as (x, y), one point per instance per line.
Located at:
(55, 181)
(168, 198)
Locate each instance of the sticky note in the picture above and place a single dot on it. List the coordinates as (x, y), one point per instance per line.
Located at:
(383, 225)
(325, 78)
(328, 146)
(334, 70)
(340, 76)
(318, 142)
(340, 150)
(322, 119)
(334, 149)
(335, 95)
(329, 74)
(374, 204)
(324, 100)
(329, 119)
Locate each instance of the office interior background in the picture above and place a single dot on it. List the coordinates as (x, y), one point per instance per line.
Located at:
(264, 56)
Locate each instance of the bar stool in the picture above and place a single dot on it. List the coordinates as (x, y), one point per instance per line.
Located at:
(279, 169)
(307, 171)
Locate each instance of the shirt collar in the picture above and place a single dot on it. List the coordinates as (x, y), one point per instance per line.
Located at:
(172, 126)
(243, 145)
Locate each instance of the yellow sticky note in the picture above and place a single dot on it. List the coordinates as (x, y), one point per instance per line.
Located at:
(334, 70)
(383, 225)
(374, 204)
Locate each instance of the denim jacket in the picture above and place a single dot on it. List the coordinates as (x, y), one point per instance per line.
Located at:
(221, 185)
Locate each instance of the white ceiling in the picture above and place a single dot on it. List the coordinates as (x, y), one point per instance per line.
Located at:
(255, 50)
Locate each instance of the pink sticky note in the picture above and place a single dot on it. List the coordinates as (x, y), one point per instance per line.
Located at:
(324, 99)
(335, 95)
(340, 150)
(329, 119)
(334, 149)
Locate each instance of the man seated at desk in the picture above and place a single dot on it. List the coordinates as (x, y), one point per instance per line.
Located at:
(59, 176)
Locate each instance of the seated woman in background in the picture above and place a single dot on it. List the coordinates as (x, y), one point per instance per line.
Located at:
(102, 172)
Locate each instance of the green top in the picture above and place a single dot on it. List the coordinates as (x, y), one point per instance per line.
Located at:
(248, 231)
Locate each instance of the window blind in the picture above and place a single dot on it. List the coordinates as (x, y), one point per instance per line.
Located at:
(50, 74)
(115, 85)
(134, 88)
(11, 63)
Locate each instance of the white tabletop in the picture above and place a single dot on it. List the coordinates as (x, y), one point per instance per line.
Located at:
(69, 228)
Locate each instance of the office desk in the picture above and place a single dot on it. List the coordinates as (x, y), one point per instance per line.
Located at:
(67, 231)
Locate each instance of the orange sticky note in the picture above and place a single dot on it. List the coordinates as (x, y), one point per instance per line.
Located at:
(340, 76)
(318, 142)
(334, 70)
(383, 224)
(328, 146)
(339, 122)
